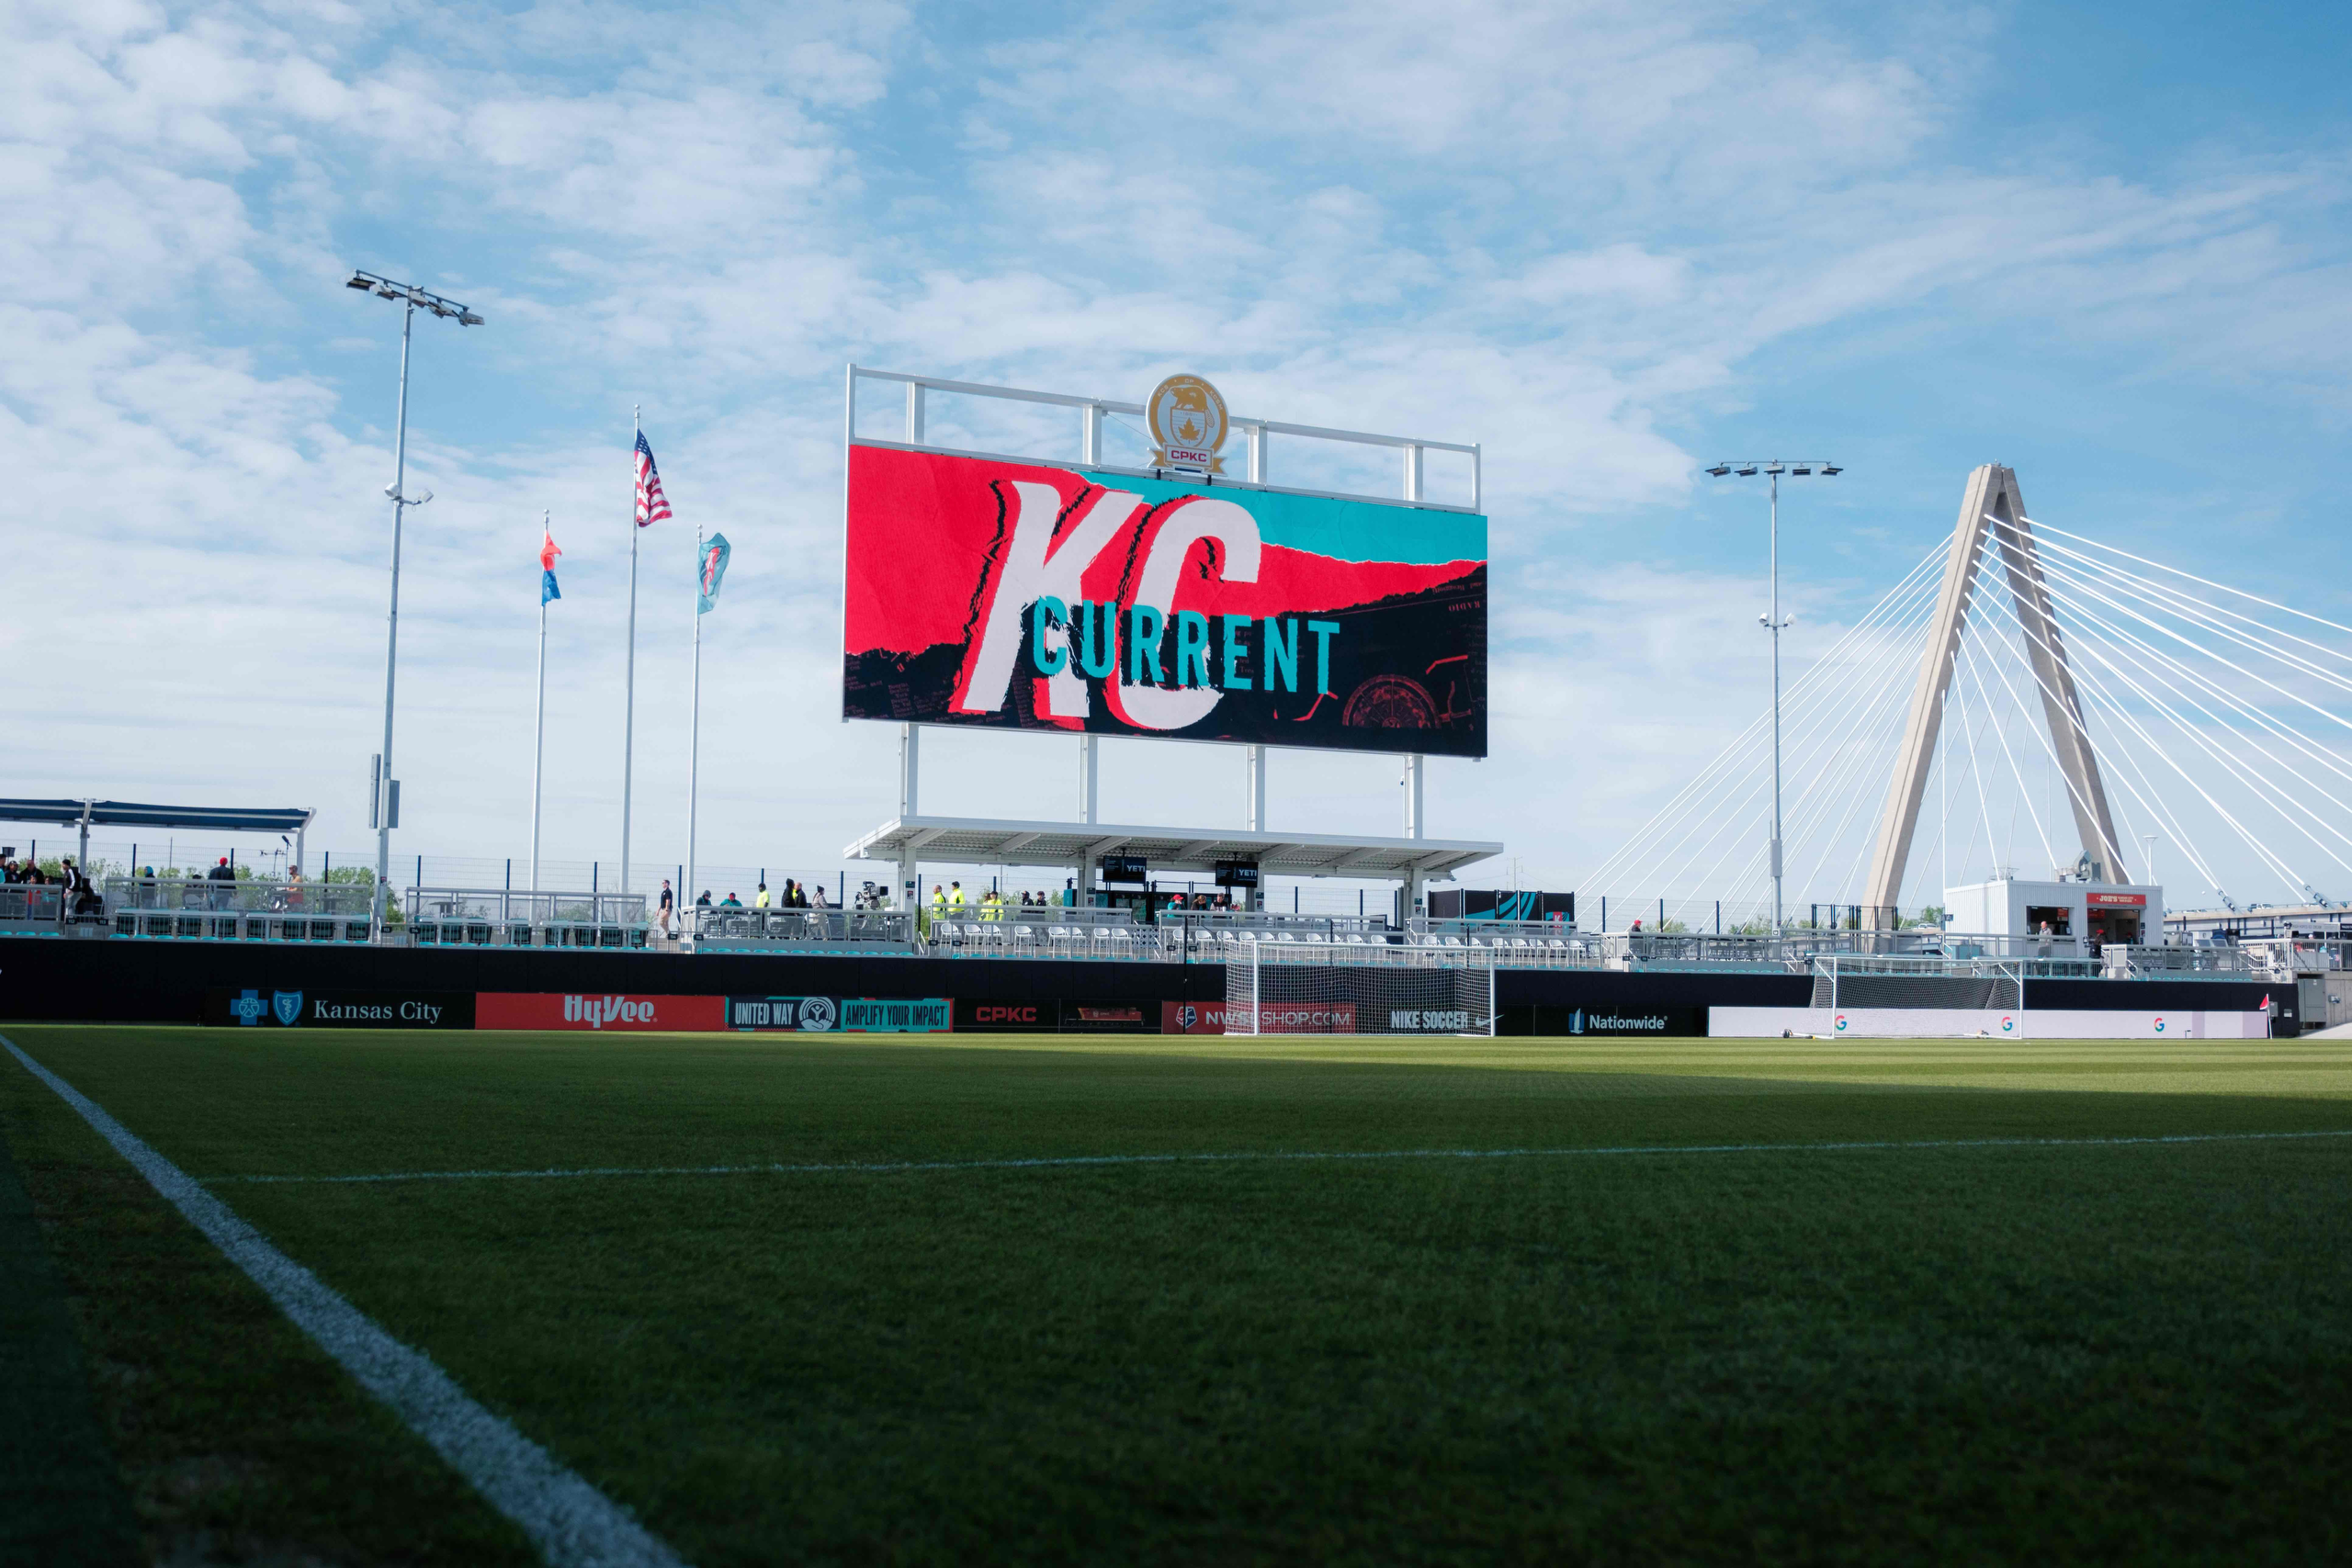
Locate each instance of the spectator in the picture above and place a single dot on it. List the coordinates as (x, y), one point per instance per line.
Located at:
(8, 870)
(81, 900)
(1070, 893)
(704, 901)
(760, 898)
(666, 915)
(731, 901)
(817, 898)
(293, 886)
(218, 897)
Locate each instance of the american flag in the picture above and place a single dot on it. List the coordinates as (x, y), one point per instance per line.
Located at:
(652, 507)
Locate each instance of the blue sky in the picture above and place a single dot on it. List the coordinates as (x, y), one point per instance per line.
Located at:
(2106, 245)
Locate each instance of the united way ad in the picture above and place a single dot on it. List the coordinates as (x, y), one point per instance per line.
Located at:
(1039, 597)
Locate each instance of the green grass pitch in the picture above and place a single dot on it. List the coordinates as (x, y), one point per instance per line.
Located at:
(1675, 1322)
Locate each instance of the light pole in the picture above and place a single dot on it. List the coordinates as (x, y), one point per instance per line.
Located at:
(386, 795)
(1774, 622)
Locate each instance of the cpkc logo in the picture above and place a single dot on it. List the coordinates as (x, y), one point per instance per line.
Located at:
(1188, 420)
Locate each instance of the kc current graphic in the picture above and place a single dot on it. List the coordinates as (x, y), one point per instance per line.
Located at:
(1035, 597)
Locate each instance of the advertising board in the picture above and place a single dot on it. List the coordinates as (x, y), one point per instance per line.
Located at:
(982, 1016)
(1658, 1023)
(842, 1015)
(1030, 597)
(1500, 904)
(1274, 1018)
(1104, 1018)
(255, 1007)
(601, 1011)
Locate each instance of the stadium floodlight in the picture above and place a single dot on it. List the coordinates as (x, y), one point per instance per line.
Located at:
(1775, 623)
(410, 297)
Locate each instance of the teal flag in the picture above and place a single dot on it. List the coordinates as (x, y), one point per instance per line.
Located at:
(715, 551)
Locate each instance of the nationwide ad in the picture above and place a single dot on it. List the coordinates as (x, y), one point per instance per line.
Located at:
(989, 591)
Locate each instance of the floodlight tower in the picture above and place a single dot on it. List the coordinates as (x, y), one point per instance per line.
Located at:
(385, 796)
(1774, 622)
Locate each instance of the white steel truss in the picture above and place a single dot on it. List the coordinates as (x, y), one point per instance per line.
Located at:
(1993, 509)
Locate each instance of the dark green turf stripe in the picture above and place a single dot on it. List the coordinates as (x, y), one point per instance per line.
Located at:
(62, 1499)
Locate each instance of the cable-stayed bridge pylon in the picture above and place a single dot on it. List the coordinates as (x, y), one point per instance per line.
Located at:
(2025, 695)
(1992, 512)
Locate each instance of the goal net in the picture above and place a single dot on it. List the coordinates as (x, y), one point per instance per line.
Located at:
(1266, 995)
(1895, 998)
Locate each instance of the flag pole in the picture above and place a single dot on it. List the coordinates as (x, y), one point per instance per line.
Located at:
(540, 748)
(694, 732)
(628, 710)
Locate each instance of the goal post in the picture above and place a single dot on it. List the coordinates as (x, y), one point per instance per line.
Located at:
(1900, 997)
(1322, 994)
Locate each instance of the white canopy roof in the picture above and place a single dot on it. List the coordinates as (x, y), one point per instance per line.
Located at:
(969, 841)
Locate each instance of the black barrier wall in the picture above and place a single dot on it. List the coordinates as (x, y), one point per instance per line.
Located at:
(143, 982)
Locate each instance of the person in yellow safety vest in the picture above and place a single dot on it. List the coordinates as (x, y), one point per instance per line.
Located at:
(992, 906)
(955, 896)
(760, 899)
(938, 905)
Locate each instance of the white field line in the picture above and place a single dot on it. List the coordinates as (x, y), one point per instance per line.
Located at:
(895, 1167)
(569, 1521)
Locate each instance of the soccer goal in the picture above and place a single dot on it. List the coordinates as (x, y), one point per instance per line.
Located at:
(1900, 998)
(1271, 994)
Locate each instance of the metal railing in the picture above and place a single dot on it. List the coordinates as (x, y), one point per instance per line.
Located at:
(719, 926)
(208, 925)
(31, 905)
(505, 916)
(2119, 961)
(1095, 933)
(508, 905)
(1330, 927)
(2286, 957)
(242, 895)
